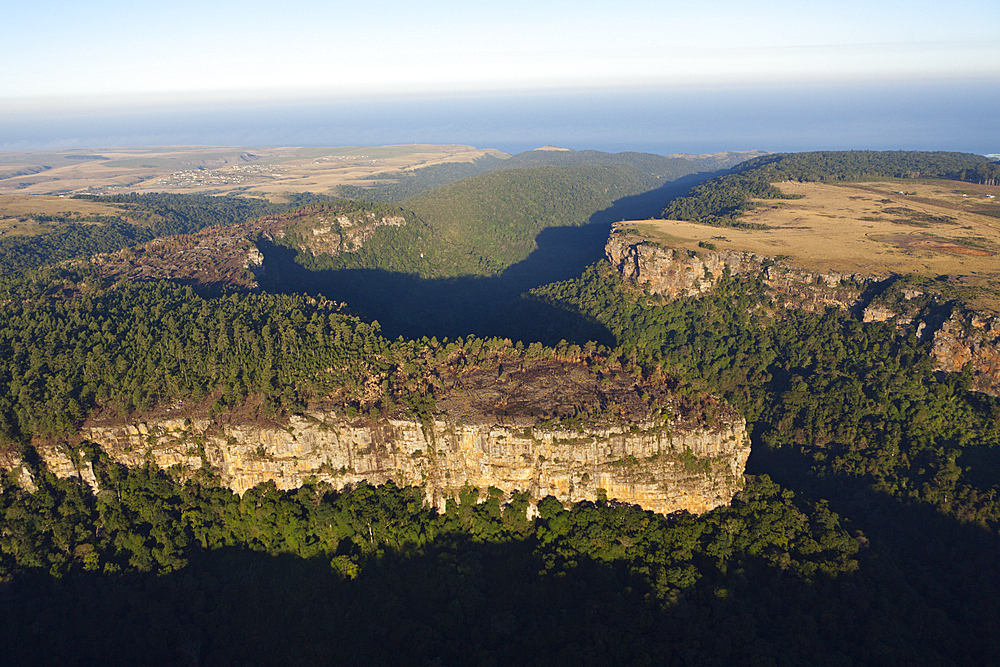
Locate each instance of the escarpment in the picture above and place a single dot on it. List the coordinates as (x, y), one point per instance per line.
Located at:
(960, 339)
(661, 467)
(678, 272)
(546, 427)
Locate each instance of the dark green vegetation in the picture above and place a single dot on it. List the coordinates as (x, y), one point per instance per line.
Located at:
(470, 248)
(135, 346)
(155, 572)
(869, 536)
(415, 181)
(143, 217)
(720, 200)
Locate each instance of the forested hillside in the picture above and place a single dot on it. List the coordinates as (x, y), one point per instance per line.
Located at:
(466, 250)
(143, 217)
(495, 218)
(867, 532)
(133, 347)
(412, 182)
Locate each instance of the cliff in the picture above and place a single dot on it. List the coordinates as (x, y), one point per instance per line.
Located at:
(664, 468)
(970, 341)
(960, 339)
(678, 272)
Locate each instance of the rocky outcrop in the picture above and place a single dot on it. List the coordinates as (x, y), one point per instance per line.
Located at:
(969, 341)
(336, 234)
(660, 467)
(677, 272)
(960, 339)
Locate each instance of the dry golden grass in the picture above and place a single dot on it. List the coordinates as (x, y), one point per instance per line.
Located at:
(870, 228)
(258, 171)
(16, 211)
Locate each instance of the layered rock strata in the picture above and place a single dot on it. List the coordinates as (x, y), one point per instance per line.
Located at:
(658, 467)
(678, 272)
(970, 341)
(960, 339)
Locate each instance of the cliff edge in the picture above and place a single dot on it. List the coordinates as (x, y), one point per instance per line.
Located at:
(961, 339)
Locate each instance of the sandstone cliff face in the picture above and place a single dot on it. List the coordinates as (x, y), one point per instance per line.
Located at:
(676, 273)
(959, 338)
(658, 467)
(969, 339)
(336, 234)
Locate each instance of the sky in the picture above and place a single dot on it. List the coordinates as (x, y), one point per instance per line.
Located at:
(66, 58)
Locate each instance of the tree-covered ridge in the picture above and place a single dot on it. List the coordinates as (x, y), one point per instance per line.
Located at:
(143, 217)
(412, 182)
(184, 214)
(136, 346)
(69, 239)
(360, 235)
(490, 221)
(720, 200)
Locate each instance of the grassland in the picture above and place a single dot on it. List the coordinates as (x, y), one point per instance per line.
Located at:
(929, 228)
(24, 215)
(256, 171)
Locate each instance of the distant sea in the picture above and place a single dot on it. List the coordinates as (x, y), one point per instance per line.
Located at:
(957, 115)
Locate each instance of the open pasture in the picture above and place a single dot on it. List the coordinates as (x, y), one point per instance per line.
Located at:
(945, 230)
(269, 172)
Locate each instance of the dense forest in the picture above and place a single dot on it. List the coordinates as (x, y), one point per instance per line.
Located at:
(467, 250)
(497, 217)
(143, 217)
(866, 533)
(134, 346)
(414, 181)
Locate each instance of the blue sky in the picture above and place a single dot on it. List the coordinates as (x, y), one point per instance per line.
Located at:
(769, 74)
(59, 49)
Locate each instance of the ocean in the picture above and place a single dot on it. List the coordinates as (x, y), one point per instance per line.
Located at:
(957, 115)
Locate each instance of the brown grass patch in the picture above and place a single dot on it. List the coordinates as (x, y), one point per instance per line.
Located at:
(258, 171)
(947, 228)
(920, 242)
(17, 212)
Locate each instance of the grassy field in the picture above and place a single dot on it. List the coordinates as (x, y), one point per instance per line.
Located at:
(929, 228)
(19, 213)
(258, 171)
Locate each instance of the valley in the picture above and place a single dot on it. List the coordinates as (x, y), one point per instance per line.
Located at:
(590, 409)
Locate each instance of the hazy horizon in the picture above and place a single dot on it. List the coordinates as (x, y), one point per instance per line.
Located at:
(643, 75)
(958, 116)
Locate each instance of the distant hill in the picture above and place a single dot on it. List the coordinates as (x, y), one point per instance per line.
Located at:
(450, 259)
(493, 219)
(719, 161)
(415, 181)
(480, 225)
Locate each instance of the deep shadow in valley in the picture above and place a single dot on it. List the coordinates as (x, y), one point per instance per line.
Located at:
(410, 306)
(924, 594)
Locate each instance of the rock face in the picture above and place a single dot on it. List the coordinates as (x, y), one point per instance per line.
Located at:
(336, 234)
(973, 341)
(676, 273)
(959, 338)
(659, 467)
